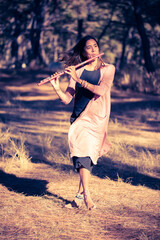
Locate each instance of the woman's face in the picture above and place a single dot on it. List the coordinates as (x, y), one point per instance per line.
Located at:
(91, 49)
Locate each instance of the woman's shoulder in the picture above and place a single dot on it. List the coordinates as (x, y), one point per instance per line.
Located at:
(108, 67)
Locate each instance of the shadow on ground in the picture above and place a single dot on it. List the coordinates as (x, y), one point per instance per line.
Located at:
(58, 166)
(26, 186)
(106, 168)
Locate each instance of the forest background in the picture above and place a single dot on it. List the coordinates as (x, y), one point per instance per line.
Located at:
(34, 33)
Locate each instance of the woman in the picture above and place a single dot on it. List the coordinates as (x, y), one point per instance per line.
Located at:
(91, 86)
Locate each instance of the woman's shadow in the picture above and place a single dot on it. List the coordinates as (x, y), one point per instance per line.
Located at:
(26, 186)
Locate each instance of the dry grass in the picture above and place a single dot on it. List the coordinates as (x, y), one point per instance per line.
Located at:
(14, 153)
(37, 179)
(134, 150)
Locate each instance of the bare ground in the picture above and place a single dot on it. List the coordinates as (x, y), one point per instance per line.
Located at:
(125, 184)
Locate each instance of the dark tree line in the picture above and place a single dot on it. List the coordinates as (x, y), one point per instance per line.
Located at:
(127, 30)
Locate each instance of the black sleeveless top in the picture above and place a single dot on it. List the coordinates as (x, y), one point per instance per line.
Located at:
(82, 95)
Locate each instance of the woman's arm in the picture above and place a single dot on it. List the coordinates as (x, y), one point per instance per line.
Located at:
(103, 86)
(66, 96)
(105, 83)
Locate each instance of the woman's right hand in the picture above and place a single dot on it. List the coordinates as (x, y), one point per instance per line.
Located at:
(55, 82)
(65, 97)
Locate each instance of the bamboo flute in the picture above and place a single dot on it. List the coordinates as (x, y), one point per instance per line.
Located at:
(48, 79)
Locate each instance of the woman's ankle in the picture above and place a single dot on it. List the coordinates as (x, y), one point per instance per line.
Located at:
(88, 200)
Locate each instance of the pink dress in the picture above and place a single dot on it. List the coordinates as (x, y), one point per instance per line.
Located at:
(88, 133)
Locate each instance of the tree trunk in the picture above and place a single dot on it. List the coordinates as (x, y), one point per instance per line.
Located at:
(145, 41)
(36, 31)
(123, 48)
(16, 34)
(35, 43)
(80, 29)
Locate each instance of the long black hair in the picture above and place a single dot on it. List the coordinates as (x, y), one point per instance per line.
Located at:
(76, 54)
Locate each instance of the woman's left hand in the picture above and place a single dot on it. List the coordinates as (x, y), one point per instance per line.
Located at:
(72, 72)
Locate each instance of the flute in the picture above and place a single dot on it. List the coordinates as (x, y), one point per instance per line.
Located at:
(48, 79)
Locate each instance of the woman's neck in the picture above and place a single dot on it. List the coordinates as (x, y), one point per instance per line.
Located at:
(92, 66)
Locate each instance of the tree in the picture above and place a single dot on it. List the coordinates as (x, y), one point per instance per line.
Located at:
(129, 16)
(13, 23)
(36, 28)
(145, 41)
(42, 29)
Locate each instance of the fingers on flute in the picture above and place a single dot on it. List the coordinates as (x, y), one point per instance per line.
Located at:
(69, 70)
(53, 76)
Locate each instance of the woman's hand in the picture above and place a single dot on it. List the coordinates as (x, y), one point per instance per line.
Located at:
(72, 72)
(55, 82)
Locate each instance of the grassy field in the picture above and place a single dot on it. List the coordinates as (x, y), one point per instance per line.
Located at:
(37, 178)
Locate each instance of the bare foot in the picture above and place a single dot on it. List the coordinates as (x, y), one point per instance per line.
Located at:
(88, 201)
